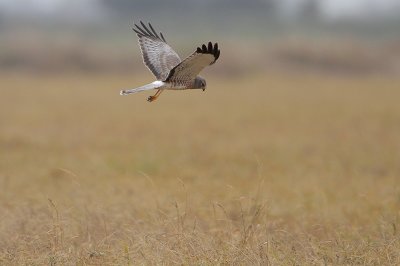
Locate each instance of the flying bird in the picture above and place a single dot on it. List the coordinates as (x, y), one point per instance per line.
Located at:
(170, 71)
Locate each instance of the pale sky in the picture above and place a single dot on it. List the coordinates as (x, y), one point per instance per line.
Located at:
(330, 8)
(50, 7)
(356, 8)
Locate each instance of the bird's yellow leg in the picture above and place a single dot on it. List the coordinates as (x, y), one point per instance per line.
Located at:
(155, 96)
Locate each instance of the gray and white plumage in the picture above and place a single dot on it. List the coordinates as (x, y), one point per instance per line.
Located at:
(165, 64)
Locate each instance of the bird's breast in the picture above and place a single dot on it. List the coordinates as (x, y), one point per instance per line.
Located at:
(175, 86)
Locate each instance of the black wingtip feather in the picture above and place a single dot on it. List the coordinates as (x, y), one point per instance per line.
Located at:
(210, 49)
(137, 32)
(162, 37)
(144, 26)
(144, 31)
(141, 23)
(217, 53)
(154, 32)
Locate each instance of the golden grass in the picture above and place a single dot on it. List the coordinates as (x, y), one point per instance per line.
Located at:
(276, 170)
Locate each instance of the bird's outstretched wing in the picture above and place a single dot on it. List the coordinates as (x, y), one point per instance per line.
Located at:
(189, 68)
(158, 56)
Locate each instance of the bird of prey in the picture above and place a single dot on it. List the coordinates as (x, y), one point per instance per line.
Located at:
(170, 71)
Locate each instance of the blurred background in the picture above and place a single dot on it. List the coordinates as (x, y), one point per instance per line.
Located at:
(338, 37)
(290, 156)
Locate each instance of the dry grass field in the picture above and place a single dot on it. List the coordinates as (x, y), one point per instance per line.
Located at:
(263, 170)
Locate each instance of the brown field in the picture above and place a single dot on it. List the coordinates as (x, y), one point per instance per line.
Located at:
(270, 170)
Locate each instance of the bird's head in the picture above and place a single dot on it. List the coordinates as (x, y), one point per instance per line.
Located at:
(200, 83)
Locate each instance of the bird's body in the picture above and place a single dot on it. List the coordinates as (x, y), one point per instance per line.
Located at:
(171, 72)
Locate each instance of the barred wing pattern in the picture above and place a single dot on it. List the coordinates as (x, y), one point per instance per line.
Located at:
(188, 69)
(158, 56)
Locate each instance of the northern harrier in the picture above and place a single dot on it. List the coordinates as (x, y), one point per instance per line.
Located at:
(171, 72)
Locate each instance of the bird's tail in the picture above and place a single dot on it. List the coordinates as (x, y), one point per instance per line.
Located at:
(150, 86)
